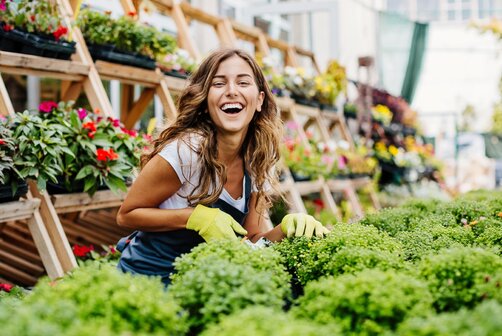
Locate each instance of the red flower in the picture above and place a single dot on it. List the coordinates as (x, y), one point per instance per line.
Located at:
(6, 287)
(103, 154)
(132, 133)
(81, 251)
(319, 204)
(132, 13)
(2, 142)
(8, 27)
(61, 31)
(47, 106)
(32, 18)
(91, 127)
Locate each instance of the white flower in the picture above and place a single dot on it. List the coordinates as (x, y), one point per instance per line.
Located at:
(343, 145)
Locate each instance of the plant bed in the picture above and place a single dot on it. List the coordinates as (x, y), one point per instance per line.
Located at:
(328, 108)
(11, 40)
(6, 194)
(109, 53)
(47, 46)
(306, 102)
(76, 187)
(175, 73)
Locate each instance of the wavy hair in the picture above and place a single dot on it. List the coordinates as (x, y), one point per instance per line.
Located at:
(260, 149)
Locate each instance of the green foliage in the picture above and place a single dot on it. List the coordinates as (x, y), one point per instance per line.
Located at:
(367, 303)
(460, 277)
(8, 172)
(95, 295)
(483, 320)
(393, 220)
(348, 248)
(464, 211)
(264, 321)
(125, 34)
(223, 277)
(431, 237)
(41, 148)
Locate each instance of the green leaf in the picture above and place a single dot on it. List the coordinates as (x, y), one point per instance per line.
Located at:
(86, 171)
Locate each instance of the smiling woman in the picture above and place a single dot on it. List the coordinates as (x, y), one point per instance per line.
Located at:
(211, 174)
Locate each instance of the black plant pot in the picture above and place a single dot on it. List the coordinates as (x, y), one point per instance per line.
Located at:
(306, 102)
(6, 194)
(12, 40)
(76, 187)
(110, 54)
(176, 73)
(298, 177)
(328, 108)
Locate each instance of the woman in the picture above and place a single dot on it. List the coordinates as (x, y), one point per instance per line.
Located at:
(210, 175)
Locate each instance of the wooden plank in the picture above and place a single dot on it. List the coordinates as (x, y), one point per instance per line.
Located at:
(71, 91)
(88, 234)
(123, 73)
(20, 263)
(42, 73)
(51, 65)
(198, 14)
(54, 229)
(22, 209)
(23, 253)
(126, 100)
(175, 84)
(21, 240)
(291, 57)
(329, 202)
(225, 33)
(166, 100)
(17, 275)
(139, 107)
(309, 187)
(309, 111)
(6, 108)
(82, 201)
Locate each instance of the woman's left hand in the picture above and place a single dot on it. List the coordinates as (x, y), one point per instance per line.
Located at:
(300, 224)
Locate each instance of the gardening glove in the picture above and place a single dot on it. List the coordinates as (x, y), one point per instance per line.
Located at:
(212, 223)
(299, 224)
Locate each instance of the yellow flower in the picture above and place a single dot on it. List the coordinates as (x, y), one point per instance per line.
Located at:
(393, 150)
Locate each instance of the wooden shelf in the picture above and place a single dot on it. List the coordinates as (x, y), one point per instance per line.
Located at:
(102, 199)
(18, 210)
(23, 64)
(128, 74)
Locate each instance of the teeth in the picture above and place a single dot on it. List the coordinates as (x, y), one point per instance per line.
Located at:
(231, 106)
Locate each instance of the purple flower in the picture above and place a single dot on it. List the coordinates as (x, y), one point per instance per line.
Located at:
(2, 5)
(82, 113)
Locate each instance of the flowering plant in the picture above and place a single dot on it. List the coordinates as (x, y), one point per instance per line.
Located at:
(33, 16)
(179, 61)
(330, 84)
(88, 253)
(273, 76)
(381, 113)
(101, 151)
(299, 83)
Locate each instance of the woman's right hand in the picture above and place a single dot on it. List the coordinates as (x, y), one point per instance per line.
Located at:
(212, 223)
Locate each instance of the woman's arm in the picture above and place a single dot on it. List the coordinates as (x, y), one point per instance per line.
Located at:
(157, 182)
(256, 224)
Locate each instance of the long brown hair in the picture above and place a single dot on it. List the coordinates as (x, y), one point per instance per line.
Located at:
(260, 149)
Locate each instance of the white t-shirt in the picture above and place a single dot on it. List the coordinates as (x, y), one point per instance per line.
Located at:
(186, 165)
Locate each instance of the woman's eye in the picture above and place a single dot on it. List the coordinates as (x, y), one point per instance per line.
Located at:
(218, 84)
(244, 83)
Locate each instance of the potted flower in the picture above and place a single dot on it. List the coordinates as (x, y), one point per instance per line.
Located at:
(123, 41)
(41, 148)
(34, 27)
(178, 64)
(301, 86)
(330, 84)
(12, 186)
(274, 77)
(103, 152)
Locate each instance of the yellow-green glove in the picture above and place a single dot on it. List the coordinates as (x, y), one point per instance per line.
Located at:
(299, 224)
(213, 223)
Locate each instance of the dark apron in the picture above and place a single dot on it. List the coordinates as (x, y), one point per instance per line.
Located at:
(153, 253)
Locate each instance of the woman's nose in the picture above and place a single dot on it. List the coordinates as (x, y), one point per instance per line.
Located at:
(231, 89)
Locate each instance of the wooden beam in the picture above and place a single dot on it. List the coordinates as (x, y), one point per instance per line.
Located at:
(45, 64)
(71, 90)
(17, 210)
(139, 107)
(198, 14)
(184, 38)
(129, 74)
(225, 33)
(102, 199)
(6, 107)
(126, 100)
(54, 229)
(18, 275)
(166, 99)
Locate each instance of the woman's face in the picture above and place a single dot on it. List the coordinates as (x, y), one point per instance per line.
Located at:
(233, 97)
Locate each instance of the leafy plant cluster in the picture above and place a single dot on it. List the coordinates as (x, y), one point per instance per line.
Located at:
(223, 277)
(33, 16)
(462, 277)
(65, 145)
(366, 303)
(347, 249)
(484, 319)
(125, 34)
(95, 300)
(265, 321)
